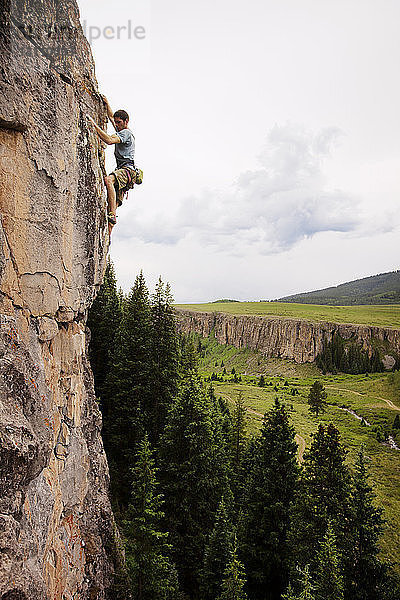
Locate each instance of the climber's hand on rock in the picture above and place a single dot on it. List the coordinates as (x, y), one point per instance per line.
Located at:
(110, 113)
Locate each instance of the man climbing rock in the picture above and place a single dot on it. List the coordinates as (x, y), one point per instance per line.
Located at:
(122, 179)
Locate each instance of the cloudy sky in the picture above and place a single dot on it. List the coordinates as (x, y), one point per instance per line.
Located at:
(269, 136)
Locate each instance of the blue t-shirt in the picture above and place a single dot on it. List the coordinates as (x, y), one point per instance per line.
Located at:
(125, 150)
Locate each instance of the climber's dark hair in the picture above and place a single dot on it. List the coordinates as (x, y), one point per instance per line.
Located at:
(121, 114)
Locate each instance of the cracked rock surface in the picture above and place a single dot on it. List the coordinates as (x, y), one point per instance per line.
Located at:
(293, 339)
(56, 525)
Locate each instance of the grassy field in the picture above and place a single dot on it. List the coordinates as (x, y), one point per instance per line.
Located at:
(384, 315)
(375, 398)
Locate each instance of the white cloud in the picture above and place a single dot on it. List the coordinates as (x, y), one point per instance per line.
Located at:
(311, 212)
(268, 210)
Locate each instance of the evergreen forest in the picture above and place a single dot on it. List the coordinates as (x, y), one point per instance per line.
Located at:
(339, 356)
(205, 510)
(377, 289)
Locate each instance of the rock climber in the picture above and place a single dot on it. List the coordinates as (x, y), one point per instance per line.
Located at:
(122, 179)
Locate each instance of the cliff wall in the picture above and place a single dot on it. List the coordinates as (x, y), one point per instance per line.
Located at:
(56, 525)
(294, 339)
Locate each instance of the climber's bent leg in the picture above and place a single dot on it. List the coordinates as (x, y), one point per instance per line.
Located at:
(116, 184)
(122, 180)
(111, 193)
(111, 201)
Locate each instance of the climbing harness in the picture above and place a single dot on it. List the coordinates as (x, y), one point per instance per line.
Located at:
(135, 175)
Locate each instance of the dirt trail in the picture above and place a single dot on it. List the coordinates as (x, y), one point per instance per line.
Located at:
(301, 442)
(332, 387)
(388, 402)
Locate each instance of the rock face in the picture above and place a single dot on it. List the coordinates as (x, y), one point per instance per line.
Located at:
(294, 339)
(56, 525)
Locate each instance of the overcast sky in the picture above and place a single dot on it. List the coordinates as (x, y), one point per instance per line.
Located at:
(269, 136)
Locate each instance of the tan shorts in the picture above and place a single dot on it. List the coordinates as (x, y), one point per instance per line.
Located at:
(121, 181)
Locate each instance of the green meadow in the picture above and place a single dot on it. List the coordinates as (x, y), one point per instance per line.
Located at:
(374, 397)
(387, 315)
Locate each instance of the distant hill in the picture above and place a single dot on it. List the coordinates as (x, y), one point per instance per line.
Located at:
(378, 289)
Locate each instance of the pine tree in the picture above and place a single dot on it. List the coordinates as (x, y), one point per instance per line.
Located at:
(364, 570)
(317, 397)
(150, 570)
(305, 585)
(103, 322)
(324, 495)
(289, 594)
(165, 360)
(129, 386)
(329, 579)
(194, 477)
(187, 356)
(237, 446)
(248, 464)
(217, 554)
(238, 440)
(269, 493)
(353, 359)
(234, 578)
(222, 417)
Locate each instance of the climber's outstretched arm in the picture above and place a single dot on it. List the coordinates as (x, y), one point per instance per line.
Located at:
(110, 113)
(108, 139)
